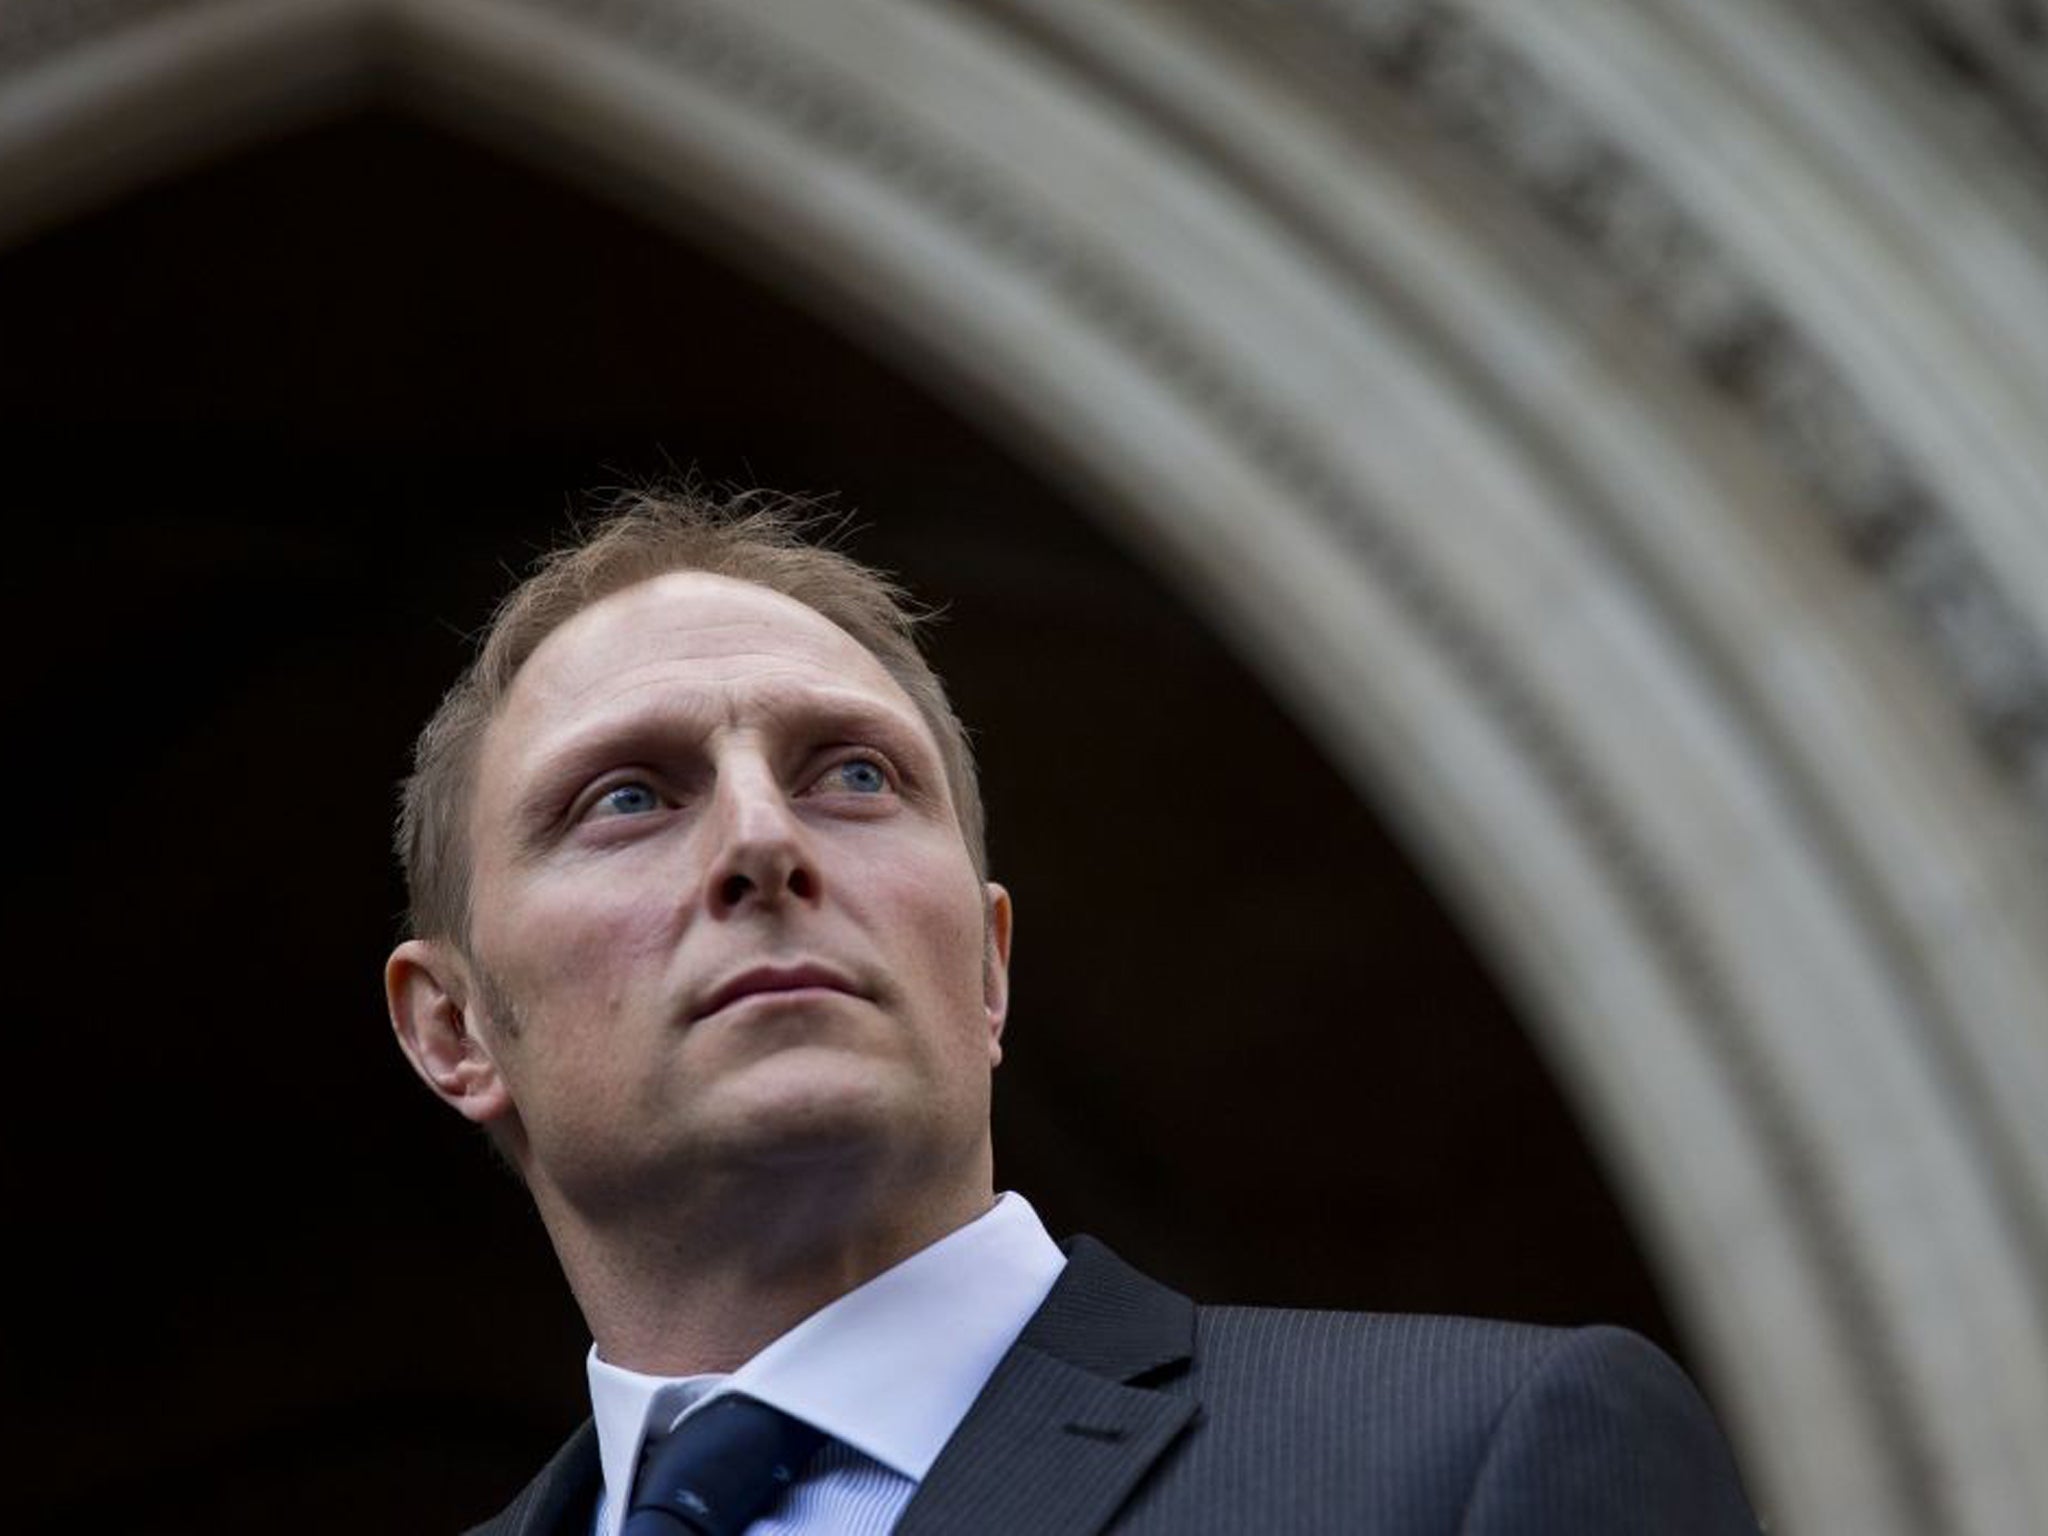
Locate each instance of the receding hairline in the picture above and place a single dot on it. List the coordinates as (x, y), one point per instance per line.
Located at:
(586, 615)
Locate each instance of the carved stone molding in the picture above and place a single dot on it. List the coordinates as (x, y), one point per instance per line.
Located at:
(1479, 90)
(1996, 49)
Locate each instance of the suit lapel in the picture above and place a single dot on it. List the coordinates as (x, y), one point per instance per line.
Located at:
(562, 1498)
(1063, 1430)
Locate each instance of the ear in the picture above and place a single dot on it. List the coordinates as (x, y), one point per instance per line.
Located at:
(427, 986)
(995, 980)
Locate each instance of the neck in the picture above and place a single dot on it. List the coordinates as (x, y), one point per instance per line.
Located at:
(708, 1283)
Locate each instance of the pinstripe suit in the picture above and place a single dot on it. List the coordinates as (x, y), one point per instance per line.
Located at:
(1126, 1408)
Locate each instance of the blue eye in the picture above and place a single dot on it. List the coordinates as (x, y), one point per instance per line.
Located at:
(627, 800)
(862, 776)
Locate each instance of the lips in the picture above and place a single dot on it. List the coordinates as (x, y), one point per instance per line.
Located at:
(764, 980)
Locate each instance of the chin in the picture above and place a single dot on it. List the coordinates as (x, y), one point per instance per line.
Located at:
(804, 1117)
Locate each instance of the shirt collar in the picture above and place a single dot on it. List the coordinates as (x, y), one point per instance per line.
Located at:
(890, 1368)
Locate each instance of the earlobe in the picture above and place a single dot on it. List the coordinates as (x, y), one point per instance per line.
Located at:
(995, 982)
(427, 988)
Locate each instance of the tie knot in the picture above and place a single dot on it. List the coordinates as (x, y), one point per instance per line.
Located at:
(719, 1470)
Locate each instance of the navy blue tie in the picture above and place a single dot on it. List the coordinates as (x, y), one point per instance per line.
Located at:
(723, 1468)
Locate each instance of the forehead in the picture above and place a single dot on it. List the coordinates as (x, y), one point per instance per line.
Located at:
(685, 637)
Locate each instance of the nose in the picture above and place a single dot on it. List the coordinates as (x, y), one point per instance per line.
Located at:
(762, 857)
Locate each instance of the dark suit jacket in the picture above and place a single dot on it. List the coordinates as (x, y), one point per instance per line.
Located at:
(1124, 1407)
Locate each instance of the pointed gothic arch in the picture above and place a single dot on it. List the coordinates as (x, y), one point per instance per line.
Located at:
(1623, 448)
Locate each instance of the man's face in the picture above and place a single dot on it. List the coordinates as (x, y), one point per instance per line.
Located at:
(720, 891)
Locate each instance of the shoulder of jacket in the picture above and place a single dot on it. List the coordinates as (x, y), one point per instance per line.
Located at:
(559, 1497)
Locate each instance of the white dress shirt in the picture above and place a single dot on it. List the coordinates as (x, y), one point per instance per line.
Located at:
(888, 1371)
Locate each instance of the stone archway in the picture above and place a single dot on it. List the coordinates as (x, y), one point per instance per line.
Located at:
(1586, 427)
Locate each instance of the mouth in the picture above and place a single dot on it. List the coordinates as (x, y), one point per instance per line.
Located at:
(774, 981)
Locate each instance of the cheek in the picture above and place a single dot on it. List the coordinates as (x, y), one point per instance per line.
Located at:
(580, 960)
(952, 942)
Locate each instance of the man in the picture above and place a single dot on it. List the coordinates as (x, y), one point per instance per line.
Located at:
(703, 938)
